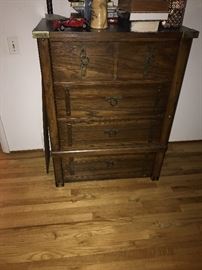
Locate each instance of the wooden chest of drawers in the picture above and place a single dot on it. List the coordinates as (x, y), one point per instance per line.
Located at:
(109, 99)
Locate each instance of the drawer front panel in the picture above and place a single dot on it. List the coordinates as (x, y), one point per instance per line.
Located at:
(107, 133)
(111, 100)
(82, 61)
(102, 167)
(150, 60)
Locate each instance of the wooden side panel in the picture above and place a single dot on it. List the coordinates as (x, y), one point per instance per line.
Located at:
(49, 102)
(45, 60)
(182, 59)
(46, 133)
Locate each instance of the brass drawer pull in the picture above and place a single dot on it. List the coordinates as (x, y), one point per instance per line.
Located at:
(110, 164)
(111, 132)
(84, 61)
(113, 101)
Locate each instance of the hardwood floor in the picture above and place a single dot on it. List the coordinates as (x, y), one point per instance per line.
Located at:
(105, 225)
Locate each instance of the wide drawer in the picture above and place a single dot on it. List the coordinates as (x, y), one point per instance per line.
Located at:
(107, 167)
(143, 99)
(95, 61)
(76, 60)
(101, 133)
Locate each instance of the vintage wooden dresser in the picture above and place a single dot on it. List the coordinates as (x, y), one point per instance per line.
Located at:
(109, 99)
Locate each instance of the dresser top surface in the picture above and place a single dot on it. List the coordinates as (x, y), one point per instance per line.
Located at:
(44, 30)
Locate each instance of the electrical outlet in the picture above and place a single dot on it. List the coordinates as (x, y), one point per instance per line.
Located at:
(13, 45)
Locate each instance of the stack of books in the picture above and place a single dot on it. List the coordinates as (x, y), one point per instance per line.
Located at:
(112, 12)
(78, 5)
(83, 7)
(145, 15)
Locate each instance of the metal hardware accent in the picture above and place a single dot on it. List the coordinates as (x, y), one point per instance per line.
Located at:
(40, 34)
(113, 101)
(84, 62)
(111, 132)
(109, 164)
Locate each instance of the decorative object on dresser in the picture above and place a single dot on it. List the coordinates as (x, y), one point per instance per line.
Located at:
(109, 99)
(174, 8)
(176, 13)
(146, 15)
(99, 14)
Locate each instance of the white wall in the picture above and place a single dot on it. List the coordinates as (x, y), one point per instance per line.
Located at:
(20, 94)
(20, 85)
(188, 119)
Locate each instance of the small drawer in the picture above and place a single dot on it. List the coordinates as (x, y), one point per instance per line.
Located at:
(154, 60)
(107, 167)
(143, 99)
(89, 134)
(82, 61)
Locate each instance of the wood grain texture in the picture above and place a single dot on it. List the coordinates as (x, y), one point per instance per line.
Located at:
(48, 95)
(182, 59)
(101, 133)
(144, 5)
(103, 92)
(96, 225)
(118, 99)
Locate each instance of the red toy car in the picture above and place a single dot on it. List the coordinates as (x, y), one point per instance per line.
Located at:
(60, 25)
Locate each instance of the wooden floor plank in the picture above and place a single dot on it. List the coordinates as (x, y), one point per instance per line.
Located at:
(95, 225)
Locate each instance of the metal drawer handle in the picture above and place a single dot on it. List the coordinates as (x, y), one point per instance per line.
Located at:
(111, 132)
(113, 101)
(84, 61)
(109, 164)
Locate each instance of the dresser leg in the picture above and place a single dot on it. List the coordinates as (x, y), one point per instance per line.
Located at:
(59, 180)
(157, 166)
(59, 184)
(154, 178)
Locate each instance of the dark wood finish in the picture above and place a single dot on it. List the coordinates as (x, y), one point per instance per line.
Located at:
(144, 5)
(184, 50)
(45, 61)
(111, 98)
(49, 105)
(144, 59)
(82, 61)
(114, 132)
(46, 133)
(107, 167)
